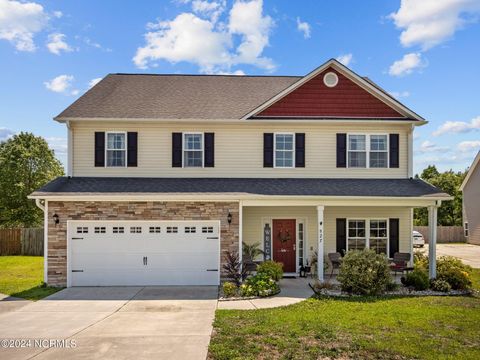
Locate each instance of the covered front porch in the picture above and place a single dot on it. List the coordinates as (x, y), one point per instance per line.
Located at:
(303, 232)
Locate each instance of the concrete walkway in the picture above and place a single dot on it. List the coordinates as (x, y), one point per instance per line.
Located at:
(9, 303)
(115, 323)
(468, 253)
(292, 291)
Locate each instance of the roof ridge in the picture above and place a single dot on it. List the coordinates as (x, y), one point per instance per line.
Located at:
(211, 75)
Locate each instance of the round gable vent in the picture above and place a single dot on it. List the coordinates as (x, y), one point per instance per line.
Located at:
(330, 79)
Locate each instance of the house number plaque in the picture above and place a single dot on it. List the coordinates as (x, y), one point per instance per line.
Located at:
(267, 242)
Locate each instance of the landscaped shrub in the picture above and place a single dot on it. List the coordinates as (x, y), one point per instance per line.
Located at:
(364, 272)
(420, 261)
(418, 279)
(272, 269)
(440, 285)
(453, 271)
(233, 268)
(259, 285)
(229, 289)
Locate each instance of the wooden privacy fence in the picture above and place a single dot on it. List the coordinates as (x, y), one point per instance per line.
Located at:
(445, 234)
(27, 241)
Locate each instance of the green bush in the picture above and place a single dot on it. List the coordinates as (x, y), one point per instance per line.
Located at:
(453, 271)
(229, 289)
(418, 279)
(420, 261)
(364, 272)
(440, 285)
(272, 269)
(259, 285)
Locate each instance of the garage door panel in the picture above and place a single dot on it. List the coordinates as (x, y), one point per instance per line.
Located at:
(178, 253)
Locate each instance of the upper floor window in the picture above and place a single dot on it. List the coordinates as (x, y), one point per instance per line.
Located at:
(116, 149)
(367, 151)
(193, 150)
(284, 150)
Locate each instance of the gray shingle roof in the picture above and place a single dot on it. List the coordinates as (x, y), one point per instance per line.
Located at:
(292, 187)
(142, 96)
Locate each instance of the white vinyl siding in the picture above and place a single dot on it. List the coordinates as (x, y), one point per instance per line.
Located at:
(238, 150)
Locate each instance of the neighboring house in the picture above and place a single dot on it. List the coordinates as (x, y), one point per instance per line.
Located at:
(471, 202)
(166, 173)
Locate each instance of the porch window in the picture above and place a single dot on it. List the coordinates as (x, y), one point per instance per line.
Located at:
(378, 151)
(193, 150)
(284, 150)
(357, 151)
(357, 239)
(378, 236)
(116, 149)
(301, 243)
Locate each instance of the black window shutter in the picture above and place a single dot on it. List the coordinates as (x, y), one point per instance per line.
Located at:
(209, 160)
(394, 225)
(341, 150)
(99, 148)
(132, 151)
(176, 149)
(341, 236)
(268, 150)
(299, 150)
(394, 151)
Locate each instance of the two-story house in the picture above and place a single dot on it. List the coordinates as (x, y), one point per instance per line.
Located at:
(166, 173)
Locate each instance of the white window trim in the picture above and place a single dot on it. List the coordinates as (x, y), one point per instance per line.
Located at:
(107, 149)
(202, 150)
(367, 150)
(275, 150)
(367, 231)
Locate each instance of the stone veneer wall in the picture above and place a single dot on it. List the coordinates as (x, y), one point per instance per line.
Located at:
(148, 210)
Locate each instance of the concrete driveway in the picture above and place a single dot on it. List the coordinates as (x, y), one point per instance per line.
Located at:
(114, 323)
(468, 253)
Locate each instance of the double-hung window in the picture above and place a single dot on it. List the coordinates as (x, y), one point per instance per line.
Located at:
(367, 151)
(192, 150)
(368, 234)
(378, 151)
(357, 239)
(378, 236)
(284, 150)
(116, 149)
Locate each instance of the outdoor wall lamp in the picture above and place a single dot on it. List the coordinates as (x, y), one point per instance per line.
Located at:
(229, 218)
(56, 220)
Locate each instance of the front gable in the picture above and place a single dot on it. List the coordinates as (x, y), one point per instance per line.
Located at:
(351, 97)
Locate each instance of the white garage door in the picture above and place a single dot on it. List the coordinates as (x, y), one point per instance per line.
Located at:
(143, 253)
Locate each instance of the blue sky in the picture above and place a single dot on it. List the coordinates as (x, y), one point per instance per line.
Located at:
(426, 53)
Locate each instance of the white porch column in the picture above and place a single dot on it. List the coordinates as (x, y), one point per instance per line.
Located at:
(432, 244)
(320, 210)
(240, 232)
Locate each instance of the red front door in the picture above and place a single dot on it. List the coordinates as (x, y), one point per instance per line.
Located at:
(284, 242)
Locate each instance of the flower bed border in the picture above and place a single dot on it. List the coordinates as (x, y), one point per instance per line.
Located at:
(239, 298)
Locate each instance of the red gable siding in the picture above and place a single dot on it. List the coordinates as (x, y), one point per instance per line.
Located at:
(314, 98)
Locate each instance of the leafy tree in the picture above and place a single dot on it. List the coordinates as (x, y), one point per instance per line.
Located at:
(26, 164)
(450, 213)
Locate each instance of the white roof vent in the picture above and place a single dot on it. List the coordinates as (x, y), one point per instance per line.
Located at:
(330, 79)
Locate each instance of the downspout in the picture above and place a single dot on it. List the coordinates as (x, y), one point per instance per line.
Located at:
(44, 208)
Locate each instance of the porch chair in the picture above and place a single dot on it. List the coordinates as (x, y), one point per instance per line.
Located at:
(400, 262)
(336, 260)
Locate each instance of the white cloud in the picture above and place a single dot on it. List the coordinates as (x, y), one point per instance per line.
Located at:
(61, 84)
(212, 9)
(458, 127)
(94, 82)
(303, 27)
(345, 59)
(236, 72)
(57, 14)
(178, 39)
(56, 44)
(467, 146)
(428, 146)
(430, 22)
(6, 134)
(20, 21)
(399, 94)
(58, 144)
(407, 64)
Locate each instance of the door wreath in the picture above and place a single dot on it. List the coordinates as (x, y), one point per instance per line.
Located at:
(284, 236)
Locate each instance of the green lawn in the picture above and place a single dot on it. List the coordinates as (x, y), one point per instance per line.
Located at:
(22, 276)
(359, 328)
